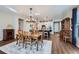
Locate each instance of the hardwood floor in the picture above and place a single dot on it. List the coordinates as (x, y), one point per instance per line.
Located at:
(58, 46)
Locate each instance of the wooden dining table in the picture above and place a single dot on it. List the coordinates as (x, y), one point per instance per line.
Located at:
(35, 36)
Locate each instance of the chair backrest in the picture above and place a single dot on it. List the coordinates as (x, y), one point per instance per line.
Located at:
(20, 32)
(67, 33)
(17, 36)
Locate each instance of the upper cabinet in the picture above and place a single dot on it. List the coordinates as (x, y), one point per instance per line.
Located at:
(66, 24)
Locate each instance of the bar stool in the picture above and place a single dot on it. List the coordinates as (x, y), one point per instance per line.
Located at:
(46, 35)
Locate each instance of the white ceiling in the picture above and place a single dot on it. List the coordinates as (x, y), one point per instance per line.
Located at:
(44, 10)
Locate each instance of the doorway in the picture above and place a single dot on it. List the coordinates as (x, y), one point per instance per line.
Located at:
(56, 27)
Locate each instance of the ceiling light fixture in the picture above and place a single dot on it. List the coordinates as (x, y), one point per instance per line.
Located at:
(30, 19)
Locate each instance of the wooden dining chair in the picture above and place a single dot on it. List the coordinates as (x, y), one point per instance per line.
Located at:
(41, 38)
(19, 37)
(28, 40)
(32, 40)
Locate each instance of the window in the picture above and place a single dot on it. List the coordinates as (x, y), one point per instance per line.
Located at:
(56, 26)
(20, 24)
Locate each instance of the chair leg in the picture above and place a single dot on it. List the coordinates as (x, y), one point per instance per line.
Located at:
(41, 44)
(37, 46)
(25, 45)
(65, 40)
(17, 42)
(30, 46)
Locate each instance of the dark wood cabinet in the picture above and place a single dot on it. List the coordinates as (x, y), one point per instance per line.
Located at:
(8, 34)
(65, 29)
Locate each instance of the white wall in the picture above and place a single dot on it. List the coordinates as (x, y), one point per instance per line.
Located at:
(7, 18)
(68, 13)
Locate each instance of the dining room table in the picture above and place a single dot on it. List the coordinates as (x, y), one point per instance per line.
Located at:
(35, 36)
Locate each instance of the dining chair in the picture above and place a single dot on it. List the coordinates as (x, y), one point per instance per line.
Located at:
(28, 40)
(19, 37)
(68, 36)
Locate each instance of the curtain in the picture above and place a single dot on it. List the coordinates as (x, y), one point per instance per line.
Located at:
(74, 19)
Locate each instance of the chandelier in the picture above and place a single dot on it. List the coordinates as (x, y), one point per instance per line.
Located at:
(30, 19)
(37, 17)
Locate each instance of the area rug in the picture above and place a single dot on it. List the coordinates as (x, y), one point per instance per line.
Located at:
(12, 48)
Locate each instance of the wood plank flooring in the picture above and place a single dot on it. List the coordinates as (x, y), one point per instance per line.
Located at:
(58, 46)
